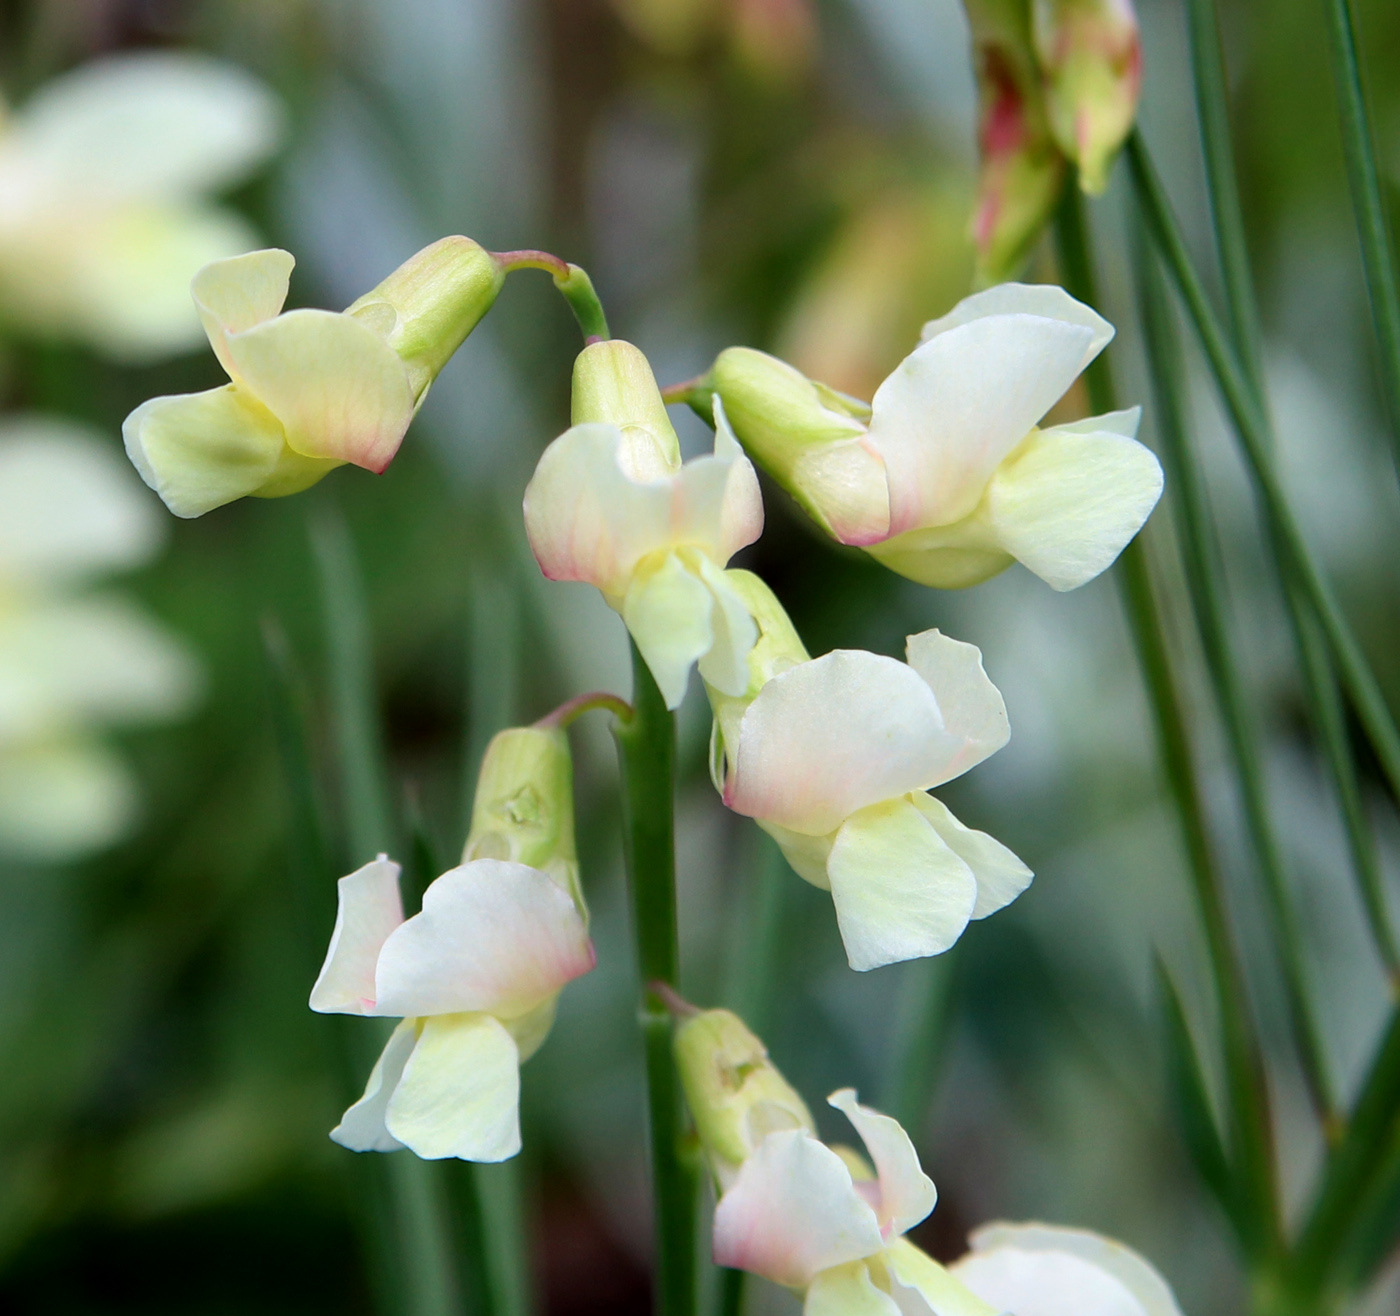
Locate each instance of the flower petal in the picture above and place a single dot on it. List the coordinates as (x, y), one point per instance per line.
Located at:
(369, 909)
(669, 612)
(741, 506)
(237, 293)
(69, 505)
(725, 665)
(847, 1291)
(492, 935)
(793, 1212)
(586, 519)
(972, 706)
(954, 408)
(1001, 876)
(830, 736)
(362, 1127)
(338, 388)
(150, 124)
(1043, 299)
(460, 1091)
(900, 891)
(63, 799)
(1068, 502)
(1046, 1270)
(907, 1194)
(199, 451)
(944, 1294)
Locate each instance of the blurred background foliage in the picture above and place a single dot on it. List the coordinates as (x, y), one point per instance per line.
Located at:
(791, 174)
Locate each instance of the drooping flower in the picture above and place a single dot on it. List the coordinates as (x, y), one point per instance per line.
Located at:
(73, 660)
(103, 178)
(475, 975)
(1047, 1270)
(612, 504)
(946, 477)
(311, 389)
(834, 756)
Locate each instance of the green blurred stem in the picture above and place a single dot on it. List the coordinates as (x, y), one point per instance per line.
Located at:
(647, 751)
(921, 1025)
(1377, 253)
(571, 280)
(427, 1270)
(1251, 1123)
(1252, 427)
(1205, 575)
(1325, 706)
(756, 935)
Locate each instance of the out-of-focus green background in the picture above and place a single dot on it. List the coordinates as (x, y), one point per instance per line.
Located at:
(791, 174)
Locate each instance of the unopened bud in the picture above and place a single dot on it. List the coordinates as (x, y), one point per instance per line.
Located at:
(1091, 57)
(426, 308)
(614, 385)
(1022, 168)
(735, 1093)
(524, 806)
(809, 438)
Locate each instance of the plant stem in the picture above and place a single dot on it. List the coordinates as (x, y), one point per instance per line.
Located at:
(571, 280)
(427, 1268)
(1250, 1119)
(1364, 174)
(1205, 578)
(1252, 427)
(647, 751)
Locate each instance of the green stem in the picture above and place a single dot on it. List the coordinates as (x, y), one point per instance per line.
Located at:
(1252, 427)
(415, 1188)
(571, 710)
(920, 1035)
(571, 280)
(757, 935)
(1250, 1119)
(1205, 578)
(1364, 174)
(647, 752)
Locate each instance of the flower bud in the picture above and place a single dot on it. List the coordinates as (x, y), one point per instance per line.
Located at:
(809, 438)
(524, 806)
(1022, 169)
(735, 1093)
(426, 308)
(613, 385)
(1091, 58)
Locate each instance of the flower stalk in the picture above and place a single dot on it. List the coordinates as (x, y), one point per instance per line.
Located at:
(573, 283)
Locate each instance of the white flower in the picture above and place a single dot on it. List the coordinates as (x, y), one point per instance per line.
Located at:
(612, 504)
(474, 977)
(803, 1215)
(1045, 1270)
(73, 661)
(946, 478)
(103, 179)
(833, 757)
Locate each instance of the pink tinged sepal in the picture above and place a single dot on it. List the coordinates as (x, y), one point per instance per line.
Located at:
(793, 1212)
(370, 908)
(492, 936)
(907, 1194)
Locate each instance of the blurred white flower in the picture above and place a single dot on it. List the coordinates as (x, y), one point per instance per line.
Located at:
(104, 175)
(73, 661)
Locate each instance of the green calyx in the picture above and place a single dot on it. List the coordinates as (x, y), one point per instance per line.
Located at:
(524, 805)
(614, 385)
(426, 308)
(735, 1093)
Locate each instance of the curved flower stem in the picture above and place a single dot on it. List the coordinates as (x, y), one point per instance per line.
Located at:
(1364, 174)
(647, 751)
(571, 280)
(572, 709)
(1248, 1098)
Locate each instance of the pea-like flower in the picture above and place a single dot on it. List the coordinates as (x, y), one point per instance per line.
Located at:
(73, 659)
(946, 477)
(612, 504)
(1047, 1270)
(834, 756)
(104, 175)
(310, 389)
(475, 975)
